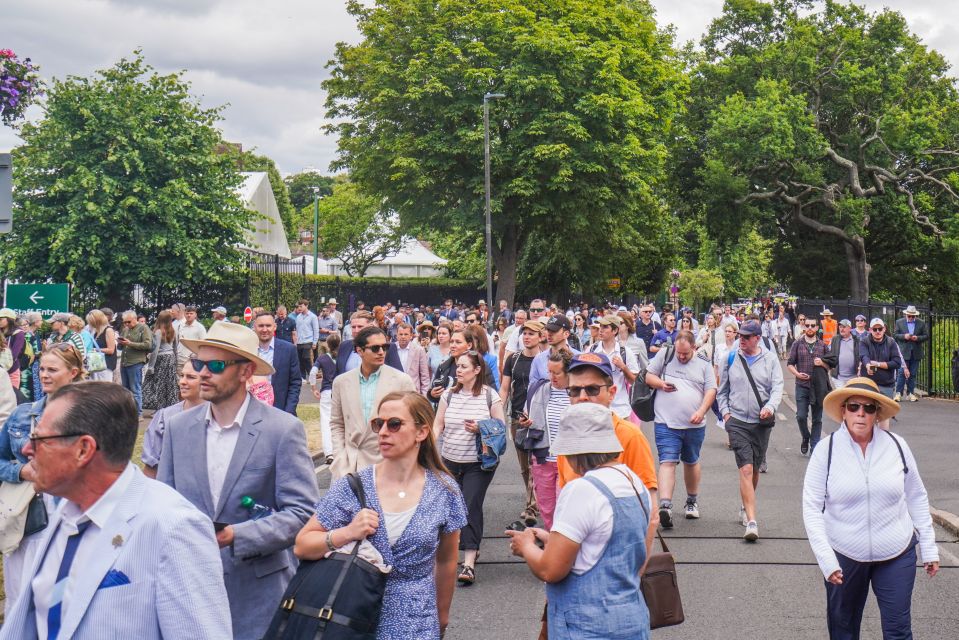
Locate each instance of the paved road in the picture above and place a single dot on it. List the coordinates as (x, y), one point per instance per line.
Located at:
(772, 589)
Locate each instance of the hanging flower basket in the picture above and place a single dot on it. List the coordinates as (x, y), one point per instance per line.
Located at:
(19, 86)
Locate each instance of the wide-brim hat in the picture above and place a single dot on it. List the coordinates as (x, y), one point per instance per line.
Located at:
(908, 311)
(235, 338)
(863, 387)
(825, 312)
(586, 428)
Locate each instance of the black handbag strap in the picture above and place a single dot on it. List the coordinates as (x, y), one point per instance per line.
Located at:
(642, 506)
(752, 382)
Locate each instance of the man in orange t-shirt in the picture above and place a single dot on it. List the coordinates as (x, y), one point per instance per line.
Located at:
(829, 326)
(591, 380)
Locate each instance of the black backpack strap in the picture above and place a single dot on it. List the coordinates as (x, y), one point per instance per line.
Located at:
(902, 455)
(752, 382)
(825, 493)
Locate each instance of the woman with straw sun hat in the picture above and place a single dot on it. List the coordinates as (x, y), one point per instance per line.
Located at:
(866, 510)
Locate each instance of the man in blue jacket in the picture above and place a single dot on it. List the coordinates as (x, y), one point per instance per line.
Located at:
(282, 355)
(880, 359)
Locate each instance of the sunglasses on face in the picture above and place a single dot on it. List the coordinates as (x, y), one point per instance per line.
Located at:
(878, 329)
(393, 424)
(810, 326)
(215, 366)
(854, 407)
(536, 310)
(592, 390)
(376, 348)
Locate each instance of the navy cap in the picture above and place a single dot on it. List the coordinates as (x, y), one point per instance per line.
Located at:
(750, 328)
(598, 361)
(557, 322)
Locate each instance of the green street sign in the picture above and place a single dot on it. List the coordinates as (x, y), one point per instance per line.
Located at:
(45, 299)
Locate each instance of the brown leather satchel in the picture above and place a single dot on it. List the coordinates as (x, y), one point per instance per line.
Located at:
(658, 582)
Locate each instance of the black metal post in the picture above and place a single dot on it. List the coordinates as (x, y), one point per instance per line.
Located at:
(276, 281)
(930, 352)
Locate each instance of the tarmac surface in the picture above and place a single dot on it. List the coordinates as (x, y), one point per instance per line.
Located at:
(772, 589)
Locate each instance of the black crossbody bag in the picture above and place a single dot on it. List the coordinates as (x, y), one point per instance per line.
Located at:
(763, 422)
(312, 609)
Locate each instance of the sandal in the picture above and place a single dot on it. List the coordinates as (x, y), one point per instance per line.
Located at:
(467, 576)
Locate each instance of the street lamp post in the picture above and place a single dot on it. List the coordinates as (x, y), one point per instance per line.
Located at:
(316, 227)
(489, 226)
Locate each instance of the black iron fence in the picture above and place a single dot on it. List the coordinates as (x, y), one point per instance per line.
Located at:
(938, 371)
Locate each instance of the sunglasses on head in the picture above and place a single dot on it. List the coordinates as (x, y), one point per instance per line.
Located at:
(393, 424)
(854, 407)
(592, 390)
(377, 348)
(215, 366)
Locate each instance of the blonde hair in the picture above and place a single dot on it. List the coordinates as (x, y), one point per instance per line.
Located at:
(68, 354)
(97, 320)
(75, 323)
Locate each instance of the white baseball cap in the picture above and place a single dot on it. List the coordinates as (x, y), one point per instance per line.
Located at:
(877, 322)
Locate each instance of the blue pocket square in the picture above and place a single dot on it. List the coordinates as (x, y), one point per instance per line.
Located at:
(114, 578)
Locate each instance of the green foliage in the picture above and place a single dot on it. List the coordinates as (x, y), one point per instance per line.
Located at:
(578, 145)
(249, 161)
(826, 116)
(464, 250)
(700, 286)
(744, 267)
(119, 185)
(300, 186)
(355, 228)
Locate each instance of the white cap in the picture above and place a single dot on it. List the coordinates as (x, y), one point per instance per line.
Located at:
(877, 321)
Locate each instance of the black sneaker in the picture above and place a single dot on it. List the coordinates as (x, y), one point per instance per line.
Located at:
(666, 518)
(804, 447)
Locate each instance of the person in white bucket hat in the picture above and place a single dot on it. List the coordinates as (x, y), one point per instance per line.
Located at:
(600, 538)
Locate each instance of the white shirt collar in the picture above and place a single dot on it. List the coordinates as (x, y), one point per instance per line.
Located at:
(101, 510)
(240, 415)
(269, 347)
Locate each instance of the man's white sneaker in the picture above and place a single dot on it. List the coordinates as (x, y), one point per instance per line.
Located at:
(742, 516)
(665, 518)
(692, 510)
(897, 397)
(913, 398)
(752, 531)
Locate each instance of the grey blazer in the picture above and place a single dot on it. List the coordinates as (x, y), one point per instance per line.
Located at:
(270, 464)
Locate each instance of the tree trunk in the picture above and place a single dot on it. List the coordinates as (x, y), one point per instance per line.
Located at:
(858, 268)
(504, 260)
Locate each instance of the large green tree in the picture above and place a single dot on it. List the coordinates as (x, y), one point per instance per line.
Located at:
(828, 117)
(355, 228)
(119, 185)
(578, 143)
(301, 186)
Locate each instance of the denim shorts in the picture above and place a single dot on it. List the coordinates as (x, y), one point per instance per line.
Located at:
(675, 445)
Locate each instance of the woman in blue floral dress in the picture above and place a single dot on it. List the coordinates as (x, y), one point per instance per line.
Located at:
(414, 516)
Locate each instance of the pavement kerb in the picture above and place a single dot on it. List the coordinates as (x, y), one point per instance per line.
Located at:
(946, 520)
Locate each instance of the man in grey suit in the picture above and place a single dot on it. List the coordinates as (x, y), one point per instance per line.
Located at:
(123, 556)
(236, 447)
(911, 332)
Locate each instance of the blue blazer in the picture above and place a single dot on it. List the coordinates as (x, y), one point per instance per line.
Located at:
(346, 348)
(286, 381)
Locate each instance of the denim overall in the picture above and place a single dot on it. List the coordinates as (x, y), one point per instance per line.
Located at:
(605, 602)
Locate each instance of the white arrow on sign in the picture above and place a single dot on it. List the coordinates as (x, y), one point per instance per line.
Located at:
(35, 296)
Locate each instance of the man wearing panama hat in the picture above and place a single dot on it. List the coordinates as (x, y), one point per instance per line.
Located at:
(866, 512)
(910, 333)
(234, 447)
(829, 326)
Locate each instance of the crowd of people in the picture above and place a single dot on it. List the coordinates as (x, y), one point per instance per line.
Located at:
(227, 503)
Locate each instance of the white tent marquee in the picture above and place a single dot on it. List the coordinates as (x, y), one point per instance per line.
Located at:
(268, 235)
(413, 260)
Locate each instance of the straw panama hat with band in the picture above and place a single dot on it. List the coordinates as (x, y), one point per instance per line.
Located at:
(864, 388)
(234, 338)
(586, 428)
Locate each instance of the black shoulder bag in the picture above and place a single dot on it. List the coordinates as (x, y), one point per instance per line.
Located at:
(642, 397)
(311, 609)
(763, 422)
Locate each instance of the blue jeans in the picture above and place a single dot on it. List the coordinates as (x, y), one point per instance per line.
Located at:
(132, 378)
(910, 384)
(892, 582)
(803, 405)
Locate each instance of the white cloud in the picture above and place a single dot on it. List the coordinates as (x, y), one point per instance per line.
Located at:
(267, 59)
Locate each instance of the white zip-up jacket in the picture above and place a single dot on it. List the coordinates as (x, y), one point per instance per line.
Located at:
(872, 507)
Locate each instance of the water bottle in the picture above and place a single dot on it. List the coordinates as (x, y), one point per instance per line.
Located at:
(256, 509)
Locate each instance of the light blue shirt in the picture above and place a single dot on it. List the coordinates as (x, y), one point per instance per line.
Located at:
(329, 323)
(267, 354)
(368, 394)
(307, 327)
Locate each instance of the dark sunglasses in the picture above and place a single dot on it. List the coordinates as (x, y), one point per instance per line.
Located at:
(810, 326)
(393, 424)
(854, 407)
(878, 329)
(536, 310)
(215, 366)
(592, 390)
(377, 348)
(473, 321)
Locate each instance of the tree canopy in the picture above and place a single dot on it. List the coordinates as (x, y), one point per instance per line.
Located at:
(119, 185)
(578, 143)
(355, 228)
(828, 121)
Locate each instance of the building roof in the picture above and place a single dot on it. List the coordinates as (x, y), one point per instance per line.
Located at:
(413, 252)
(268, 236)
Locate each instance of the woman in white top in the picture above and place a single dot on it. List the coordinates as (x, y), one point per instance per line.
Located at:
(865, 510)
(460, 411)
(782, 333)
(595, 553)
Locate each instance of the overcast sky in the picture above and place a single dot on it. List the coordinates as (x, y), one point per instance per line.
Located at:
(266, 60)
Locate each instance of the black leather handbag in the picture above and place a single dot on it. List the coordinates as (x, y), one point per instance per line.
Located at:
(334, 598)
(642, 397)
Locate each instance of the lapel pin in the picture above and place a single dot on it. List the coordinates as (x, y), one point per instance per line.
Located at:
(117, 541)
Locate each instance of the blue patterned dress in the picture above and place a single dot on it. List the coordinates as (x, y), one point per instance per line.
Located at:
(409, 604)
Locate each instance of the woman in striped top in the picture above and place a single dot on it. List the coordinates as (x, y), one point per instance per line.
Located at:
(457, 424)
